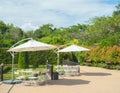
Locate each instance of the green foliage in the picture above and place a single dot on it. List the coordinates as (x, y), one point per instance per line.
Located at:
(5, 56)
(43, 31)
(104, 54)
(58, 39)
(14, 33)
(117, 11)
(6, 68)
(23, 60)
(30, 34)
(109, 41)
(3, 27)
(40, 57)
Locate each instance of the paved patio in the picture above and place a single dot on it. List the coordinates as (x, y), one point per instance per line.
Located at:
(91, 80)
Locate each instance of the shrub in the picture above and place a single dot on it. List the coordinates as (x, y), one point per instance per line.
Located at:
(6, 68)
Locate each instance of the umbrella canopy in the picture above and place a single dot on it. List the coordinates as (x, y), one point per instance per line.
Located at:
(73, 48)
(31, 45)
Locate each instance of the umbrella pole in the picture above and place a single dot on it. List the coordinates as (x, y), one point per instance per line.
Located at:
(12, 54)
(46, 71)
(12, 81)
(58, 55)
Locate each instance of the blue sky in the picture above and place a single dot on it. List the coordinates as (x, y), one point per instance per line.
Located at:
(30, 14)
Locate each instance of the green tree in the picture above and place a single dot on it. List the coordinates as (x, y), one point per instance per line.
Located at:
(3, 27)
(30, 34)
(14, 33)
(117, 11)
(44, 30)
(23, 60)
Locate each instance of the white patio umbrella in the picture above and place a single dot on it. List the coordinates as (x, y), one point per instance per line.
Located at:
(72, 48)
(31, 45)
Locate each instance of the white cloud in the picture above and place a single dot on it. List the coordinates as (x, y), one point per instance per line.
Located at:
(28, 26)
(57, 12)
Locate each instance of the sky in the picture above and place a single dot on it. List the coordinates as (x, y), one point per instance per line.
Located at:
(31, 14)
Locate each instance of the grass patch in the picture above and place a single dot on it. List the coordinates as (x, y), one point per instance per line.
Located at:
(7, 76)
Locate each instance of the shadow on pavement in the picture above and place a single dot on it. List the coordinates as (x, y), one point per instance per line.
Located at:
(95, 74)
(68, 82)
